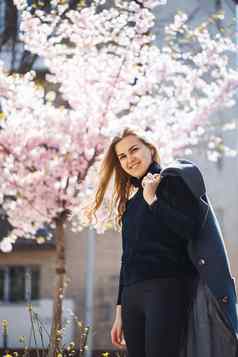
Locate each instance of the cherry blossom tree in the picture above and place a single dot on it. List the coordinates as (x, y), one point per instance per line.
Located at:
(111, 73)
(45, 155)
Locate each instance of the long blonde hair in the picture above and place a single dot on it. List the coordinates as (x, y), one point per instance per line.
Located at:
(122, 181)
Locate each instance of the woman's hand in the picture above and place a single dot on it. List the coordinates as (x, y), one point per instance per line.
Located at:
(117, 335)
(150, 183)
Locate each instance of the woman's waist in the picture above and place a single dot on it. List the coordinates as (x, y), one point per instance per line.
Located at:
(149, 268)
(147, 279)
(154, 255)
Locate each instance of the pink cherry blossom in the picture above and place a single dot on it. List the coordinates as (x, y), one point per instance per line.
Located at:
(111, 73)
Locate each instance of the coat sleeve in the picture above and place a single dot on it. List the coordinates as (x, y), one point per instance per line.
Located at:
(178, 208)
(120, 284)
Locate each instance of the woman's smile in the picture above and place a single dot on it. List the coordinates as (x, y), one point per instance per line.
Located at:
(134, 166)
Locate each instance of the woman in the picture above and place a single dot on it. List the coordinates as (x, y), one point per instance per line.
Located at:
(159, 216)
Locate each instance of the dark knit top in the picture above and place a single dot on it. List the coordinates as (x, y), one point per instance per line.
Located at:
(155, 237)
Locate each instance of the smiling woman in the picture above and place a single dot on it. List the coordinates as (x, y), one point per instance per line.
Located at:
(160, 283)
(154, 255)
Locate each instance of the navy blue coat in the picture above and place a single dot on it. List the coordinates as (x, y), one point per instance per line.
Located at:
(213, 320)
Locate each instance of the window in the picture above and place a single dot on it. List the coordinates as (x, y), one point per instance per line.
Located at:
(19, 283)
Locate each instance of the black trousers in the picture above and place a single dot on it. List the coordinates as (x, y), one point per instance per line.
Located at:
(154, 316)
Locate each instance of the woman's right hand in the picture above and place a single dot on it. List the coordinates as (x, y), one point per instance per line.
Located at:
(117, 335)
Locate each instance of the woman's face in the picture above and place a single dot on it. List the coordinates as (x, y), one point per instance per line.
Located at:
(134, 156)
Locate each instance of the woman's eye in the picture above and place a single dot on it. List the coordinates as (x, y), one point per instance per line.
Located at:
(123, 157)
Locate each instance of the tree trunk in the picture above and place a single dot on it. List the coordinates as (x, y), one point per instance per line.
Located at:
(56, 337)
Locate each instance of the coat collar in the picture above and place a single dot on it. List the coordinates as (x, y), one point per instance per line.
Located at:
(189, 172)
(154, 168)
